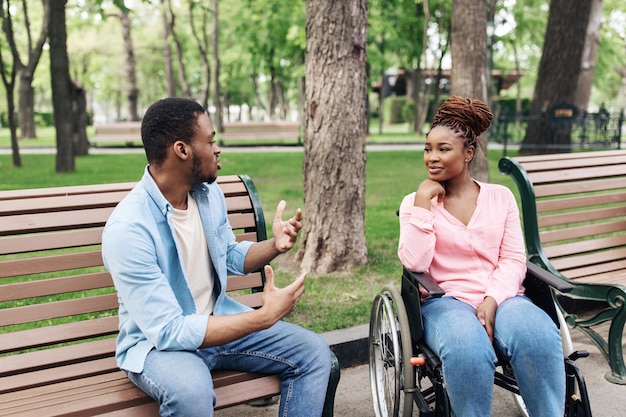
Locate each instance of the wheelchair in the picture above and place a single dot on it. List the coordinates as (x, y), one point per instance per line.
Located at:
(405, 375)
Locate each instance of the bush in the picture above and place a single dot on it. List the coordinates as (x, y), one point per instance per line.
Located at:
(394, 109)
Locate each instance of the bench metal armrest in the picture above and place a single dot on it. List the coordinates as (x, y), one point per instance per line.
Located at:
(544, 276)
(424, 281)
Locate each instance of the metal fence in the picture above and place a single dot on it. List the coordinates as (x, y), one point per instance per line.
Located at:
(588, 130)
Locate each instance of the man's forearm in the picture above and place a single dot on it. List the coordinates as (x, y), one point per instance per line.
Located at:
(260, 254)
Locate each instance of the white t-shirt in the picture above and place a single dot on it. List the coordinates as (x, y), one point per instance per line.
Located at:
(195, 255)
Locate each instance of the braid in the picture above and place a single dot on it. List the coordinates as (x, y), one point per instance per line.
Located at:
(468, 117)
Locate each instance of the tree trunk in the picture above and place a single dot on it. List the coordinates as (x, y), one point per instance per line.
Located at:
(167, 53)
(25, 72)
(217, 98)
(202, 43)
(61, 87)
(26, 105)
(333, 237)
(557, 78)
(132, 92)
(590, 55)
(468, 47)
(8, 75)
(79, 125)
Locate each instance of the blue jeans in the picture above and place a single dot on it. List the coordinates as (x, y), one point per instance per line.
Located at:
(180, 381)
(524, 335)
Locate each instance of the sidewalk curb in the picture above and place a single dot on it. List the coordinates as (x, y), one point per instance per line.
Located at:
(349, 345)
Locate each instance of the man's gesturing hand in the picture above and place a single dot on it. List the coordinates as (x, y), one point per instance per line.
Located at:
(278, 302)
(286, 232)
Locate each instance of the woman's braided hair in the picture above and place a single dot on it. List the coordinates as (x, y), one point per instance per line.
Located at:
(468, 118)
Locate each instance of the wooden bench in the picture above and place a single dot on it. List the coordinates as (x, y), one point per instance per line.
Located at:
(127, 132)
(574, 215)
(277, 131)
(58, 308)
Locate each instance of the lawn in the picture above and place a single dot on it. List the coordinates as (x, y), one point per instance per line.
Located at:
(333, 301)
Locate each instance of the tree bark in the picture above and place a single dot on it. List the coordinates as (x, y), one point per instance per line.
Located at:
(25, 72)
(132, 92)
(557, 78)
(61, 87)
(202, 42)
(468, 48)
(333, 236)
(167, 53)
(589, 57)
(217, 98)
(8, 75)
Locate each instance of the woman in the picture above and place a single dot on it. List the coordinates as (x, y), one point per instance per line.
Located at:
(467, 236)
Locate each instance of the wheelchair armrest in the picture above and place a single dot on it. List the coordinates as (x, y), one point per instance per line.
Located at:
(536, 272)
(426, 282)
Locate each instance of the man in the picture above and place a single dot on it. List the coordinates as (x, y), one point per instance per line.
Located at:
(169, 247)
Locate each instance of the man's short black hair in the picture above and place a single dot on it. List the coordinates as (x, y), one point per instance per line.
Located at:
(165, 122)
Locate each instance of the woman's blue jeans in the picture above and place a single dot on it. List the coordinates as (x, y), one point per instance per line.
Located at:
(524, 335)
(181, 383)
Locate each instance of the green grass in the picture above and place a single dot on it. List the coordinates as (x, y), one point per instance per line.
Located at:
(332, 301)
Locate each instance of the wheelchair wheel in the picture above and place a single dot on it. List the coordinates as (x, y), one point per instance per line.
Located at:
(392, 378)
(568, 347)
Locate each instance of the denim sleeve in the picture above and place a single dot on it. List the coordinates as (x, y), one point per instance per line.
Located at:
(134, 257)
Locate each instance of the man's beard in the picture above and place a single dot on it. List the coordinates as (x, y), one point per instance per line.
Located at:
(196, 171)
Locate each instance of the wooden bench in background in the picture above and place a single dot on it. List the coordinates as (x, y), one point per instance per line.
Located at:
(128, 133)
(277, 131)
(280, 132)
(58, 307)
(574, 215)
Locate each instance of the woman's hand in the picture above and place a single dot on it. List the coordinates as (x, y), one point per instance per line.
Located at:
(486, 313)
(427, 190)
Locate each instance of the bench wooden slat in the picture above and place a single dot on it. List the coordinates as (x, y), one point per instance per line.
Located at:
(550, 236)
(613, 267)
(61, 285)
(58, 374)
(559, 189)
(36, 193)
(57, 309)
(41, 222)
(576, 217)
(61, 333)
(585, 246)
(572, 203)
(596, 156)
(252, 280)
(576, 174)
(60, 203)
(576, 162)
(563, 264)
(43, 359)
(53, 240)
(51, 263)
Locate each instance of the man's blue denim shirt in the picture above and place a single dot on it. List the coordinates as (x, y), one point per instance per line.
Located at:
(142, 254)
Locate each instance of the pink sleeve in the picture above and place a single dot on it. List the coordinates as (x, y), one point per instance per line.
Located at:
(417, 235)
(506, 280)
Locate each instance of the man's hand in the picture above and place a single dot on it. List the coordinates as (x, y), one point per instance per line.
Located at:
(486, 313)
(286, 232)
(278, 302)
